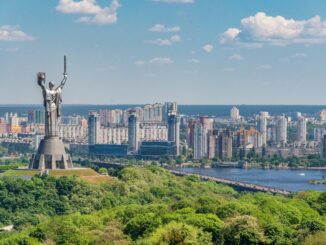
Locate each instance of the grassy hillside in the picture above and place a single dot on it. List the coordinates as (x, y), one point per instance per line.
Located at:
(20, 173)
(86, 174)
(151, 206)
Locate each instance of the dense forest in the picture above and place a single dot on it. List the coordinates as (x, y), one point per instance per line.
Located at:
(151, 206)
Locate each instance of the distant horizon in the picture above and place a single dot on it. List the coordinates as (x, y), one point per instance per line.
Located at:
(190, 110)
(136, 104)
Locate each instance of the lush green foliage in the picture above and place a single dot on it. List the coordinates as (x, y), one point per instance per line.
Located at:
(103, 171)
(14, 148)
(277, 161)
(151, 206)
(29, 201)
(11, 166)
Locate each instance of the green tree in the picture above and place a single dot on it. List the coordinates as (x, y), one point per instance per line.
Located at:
(242, 230)
(103, 171)
(178, 234)
(142, 224)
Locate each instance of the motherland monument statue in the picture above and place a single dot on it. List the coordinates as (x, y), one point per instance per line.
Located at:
(51, 152)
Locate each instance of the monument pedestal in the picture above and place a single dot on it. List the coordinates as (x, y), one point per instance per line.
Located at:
(51, 154)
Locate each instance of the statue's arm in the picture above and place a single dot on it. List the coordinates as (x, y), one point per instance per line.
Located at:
(42, 86)
(63, 82)
(44, 94)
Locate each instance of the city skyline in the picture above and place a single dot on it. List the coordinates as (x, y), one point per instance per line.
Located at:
(190, 51)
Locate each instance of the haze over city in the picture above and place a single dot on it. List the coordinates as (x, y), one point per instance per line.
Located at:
(190, 51)
(162, 122)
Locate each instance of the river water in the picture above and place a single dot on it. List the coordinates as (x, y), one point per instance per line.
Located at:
(291, 180)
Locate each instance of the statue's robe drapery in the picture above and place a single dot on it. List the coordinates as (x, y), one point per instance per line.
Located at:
(52, 101)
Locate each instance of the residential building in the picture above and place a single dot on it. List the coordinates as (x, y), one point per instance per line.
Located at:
(302, 130)
(235, 114)
(133, 132)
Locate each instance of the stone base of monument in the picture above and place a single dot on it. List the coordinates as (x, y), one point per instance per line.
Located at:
(51, 154)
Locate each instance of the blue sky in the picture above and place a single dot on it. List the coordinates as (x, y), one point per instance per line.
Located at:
(146, 51)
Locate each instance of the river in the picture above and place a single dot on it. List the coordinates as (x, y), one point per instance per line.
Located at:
(291, 180)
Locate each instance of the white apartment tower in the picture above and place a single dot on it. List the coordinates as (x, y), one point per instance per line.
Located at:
(281, 130)
(235, 114)
(262, 126)
(200, 141)
(302, 130)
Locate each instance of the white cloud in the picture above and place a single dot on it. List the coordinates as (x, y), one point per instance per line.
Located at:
(174, 1)
(264, 67)
(155, 61)
(237, 57)
(278, 31)
(208, 48)
(292, 57)
(140, 62)
(194, 61)
(95, 13)
(161, 61)
(175, 38)
(12, 33)
(162, 28)
(229, 35)
(80, 7)
(165, 42)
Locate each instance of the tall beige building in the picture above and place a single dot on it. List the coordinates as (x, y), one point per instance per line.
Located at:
(262, 126)
(235, 114)
(322, 115)
(302, 130)
(281, 130)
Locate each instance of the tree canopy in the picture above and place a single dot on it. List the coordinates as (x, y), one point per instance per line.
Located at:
(151, 206)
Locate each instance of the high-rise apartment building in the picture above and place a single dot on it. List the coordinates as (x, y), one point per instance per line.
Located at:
(200, 141)
(36, 117)
(133, 132)
(72, 133)
(235, 114)
(153, 133)
(3, 126)
(211, 145)
(93, 128)
(262, 126)
(322, 116)
(281, 130)
(207, 122)
(323, 148)
(113, 135)
(167, 108)
(190, 133)
(302, 130)
(319, 134)
(111, 117)
(224, 145)
(174, 129)
(153, 113)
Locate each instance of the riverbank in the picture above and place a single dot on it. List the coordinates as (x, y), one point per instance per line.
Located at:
(246, 166)
(295, 180)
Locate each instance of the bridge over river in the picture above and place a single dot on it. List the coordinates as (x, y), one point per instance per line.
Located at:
(237, 184)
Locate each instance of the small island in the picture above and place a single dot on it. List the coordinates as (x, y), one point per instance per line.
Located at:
(317, 181)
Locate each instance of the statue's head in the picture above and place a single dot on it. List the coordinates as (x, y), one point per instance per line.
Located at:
(51, 85)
